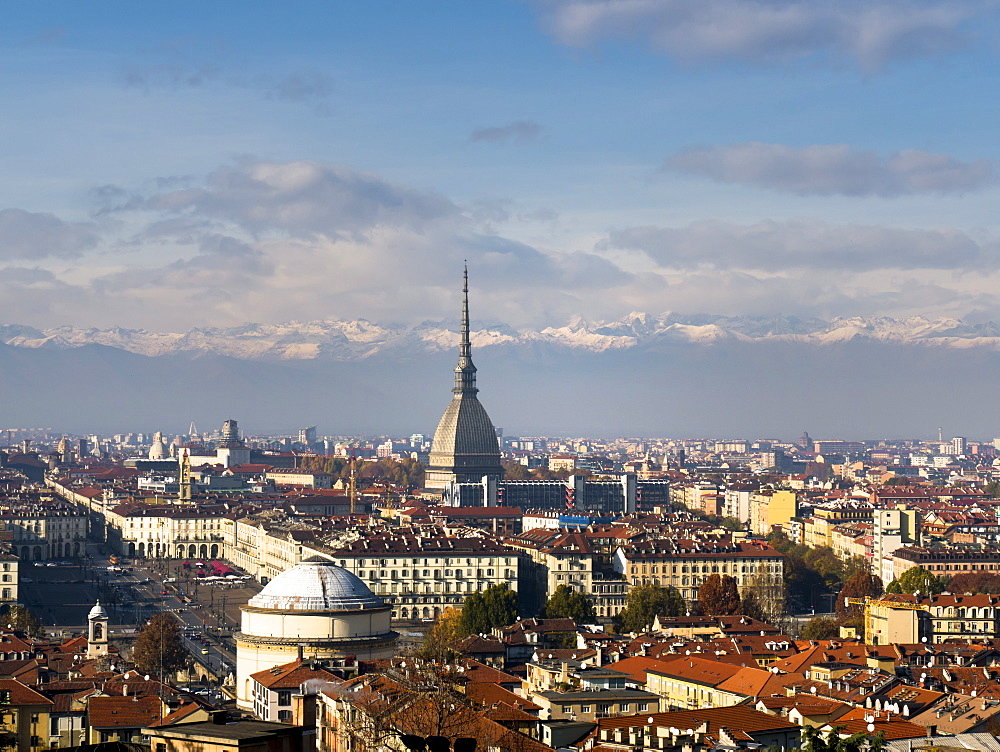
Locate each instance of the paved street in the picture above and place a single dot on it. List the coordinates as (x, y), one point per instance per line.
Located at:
(62, 593)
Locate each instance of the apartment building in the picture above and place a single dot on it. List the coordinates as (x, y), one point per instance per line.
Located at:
(685, 564)
(915, 619)
(44, 528)
(581, 560)
(9, 578)
(142, 530)
(423, 571)
(817, 530)
(770, 509)
(946, 560)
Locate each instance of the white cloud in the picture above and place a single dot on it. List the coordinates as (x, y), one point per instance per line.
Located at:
(833, 169)
(305, 198)
(805, 244)
(268, 241)
(872, 32)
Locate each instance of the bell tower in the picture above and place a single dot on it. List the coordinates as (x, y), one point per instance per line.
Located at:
(97, 632)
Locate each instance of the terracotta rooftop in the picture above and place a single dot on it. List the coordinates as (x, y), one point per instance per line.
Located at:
(124, 712)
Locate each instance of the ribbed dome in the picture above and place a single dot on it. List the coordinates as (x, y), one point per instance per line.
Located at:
(316, 585)
(465, 428)
(97, 612)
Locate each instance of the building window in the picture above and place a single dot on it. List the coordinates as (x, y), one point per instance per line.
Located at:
(284, 716)
(284, 697)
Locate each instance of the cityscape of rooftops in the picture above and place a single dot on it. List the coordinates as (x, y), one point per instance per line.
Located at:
(508, 376)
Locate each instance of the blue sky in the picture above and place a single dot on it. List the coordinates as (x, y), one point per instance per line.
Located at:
(171, 165)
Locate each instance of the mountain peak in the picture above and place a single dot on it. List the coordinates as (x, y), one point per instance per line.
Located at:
(358, 339)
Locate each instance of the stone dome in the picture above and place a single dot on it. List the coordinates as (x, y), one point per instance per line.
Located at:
(158, 451)
(97, 612)
(316, 585)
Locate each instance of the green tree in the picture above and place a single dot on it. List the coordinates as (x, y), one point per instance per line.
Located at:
(21, 619)
(494, 607)
(644, 603)
(719, 596)
(862, 585)
(813, 740)
(567, 603)
(820, 628)
(916, 579)
(159, 650)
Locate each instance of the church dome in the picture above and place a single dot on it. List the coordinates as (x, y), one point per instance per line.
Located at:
(158, 451)
(316, 585)
(97, 612)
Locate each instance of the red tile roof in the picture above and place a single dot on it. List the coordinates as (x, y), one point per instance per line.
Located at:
(124, 712)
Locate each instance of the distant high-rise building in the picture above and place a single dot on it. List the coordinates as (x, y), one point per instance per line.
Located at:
(307, 435)
(465, 447)
(959, 445)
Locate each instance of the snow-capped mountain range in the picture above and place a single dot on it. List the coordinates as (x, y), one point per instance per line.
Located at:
(359, 339)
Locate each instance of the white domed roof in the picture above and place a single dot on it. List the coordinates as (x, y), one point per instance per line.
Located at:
(97, 612)
(158, 451)
(316, 585)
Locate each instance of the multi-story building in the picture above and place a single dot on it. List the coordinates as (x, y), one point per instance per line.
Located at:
(422, 573)
(947, 560)
(892, 529)
(581, 560)
(817, 530)
(300, 478)
(9, 579)
(769, 509)
(25, 716)
(736, 501)
(600, 495)
(167, 532)
(45, 528)
(685, 564)
(915, 619)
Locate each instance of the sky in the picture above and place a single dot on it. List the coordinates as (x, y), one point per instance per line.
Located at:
(169, 165)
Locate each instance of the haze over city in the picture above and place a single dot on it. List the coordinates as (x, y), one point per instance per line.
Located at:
(720, 218)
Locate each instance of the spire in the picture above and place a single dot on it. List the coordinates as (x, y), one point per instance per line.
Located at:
(465, 348)
(465, 371)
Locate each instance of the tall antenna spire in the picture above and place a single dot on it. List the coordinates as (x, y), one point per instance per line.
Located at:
(465, 371)
(465, 348)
